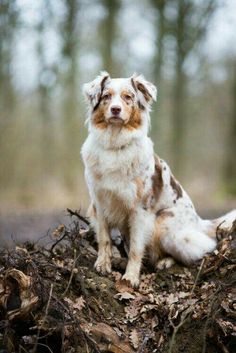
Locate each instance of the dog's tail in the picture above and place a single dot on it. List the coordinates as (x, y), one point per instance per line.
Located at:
(225, 222)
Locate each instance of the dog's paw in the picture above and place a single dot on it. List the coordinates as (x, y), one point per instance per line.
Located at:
(165, 263)
(103, 264)
(131, 279)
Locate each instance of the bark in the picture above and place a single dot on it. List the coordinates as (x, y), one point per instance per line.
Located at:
(9, 15)
(179, 94)
(70, 52)
(46, 132)
(187, 35)
(161, 31)
(108, 29)
(230, 165)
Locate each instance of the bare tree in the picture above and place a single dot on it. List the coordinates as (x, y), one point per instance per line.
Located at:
(188, 28)
(69, 32)
(161, 31)
(45, 88)
(9, 21)
(108, 33)
(158, 60)
(9, 17)
(230, 165)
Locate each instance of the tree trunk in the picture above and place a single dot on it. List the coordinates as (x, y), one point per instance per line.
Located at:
(230, 166)
(158, 63)
(46, 153)
(179, 94)
(108, 29)
(70, 40)
(9, 15)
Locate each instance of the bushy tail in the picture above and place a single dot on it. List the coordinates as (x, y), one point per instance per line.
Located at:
(226, 222)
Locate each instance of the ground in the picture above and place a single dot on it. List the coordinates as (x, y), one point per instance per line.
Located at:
(52, 299)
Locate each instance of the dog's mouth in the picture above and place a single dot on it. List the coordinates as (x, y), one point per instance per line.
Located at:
(116, 120)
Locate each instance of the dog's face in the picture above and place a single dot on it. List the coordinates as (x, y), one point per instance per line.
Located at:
(119, 102)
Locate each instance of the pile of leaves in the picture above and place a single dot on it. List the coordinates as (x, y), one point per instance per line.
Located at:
(52, 300)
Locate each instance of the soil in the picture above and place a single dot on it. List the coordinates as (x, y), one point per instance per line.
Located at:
(52, 300)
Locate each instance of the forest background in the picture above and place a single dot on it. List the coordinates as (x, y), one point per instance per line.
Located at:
(48, 49)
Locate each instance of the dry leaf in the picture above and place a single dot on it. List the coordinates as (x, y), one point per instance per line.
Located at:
(58, 231)
(113, 343)
(124, 296)
(79, 303)
(17, 285)
(134, 338)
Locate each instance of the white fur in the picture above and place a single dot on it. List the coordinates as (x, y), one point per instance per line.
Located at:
(116, 162)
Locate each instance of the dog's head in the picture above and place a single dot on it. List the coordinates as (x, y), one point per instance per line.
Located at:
(120, 101)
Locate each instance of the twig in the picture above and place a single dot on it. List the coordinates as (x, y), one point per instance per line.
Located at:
(222, 346)
(22, 348)
(76, 214)
(197, 277)
(176, 328)
(214, 297)
(87, 338)
(44, 345)
(44, 318)
(143, 345)
(72, 273)
(58, 241)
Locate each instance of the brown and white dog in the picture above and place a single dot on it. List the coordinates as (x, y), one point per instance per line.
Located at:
(131, 188)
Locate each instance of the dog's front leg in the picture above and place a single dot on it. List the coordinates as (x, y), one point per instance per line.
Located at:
(141, 225)
(103, 262)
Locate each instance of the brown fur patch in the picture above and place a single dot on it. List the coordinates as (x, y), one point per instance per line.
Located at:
(100, 94)
(133, 84)
(163, 213)
(135, 120)
(98, 118)
(127, 93)
(157, 181)
(155, 250)
(176, 187)
(108, 91)
(144, 91)
(139, 184)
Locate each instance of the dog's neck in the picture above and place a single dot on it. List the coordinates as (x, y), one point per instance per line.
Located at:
(118, 137)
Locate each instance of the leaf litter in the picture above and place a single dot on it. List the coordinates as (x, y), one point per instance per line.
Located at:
(52, 299)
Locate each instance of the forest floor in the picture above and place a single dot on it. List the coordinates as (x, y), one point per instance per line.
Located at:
(52, 299)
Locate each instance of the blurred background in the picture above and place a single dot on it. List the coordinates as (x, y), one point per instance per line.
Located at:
(48, 49)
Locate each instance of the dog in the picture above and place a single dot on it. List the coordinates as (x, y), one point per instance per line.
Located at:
(131, 188)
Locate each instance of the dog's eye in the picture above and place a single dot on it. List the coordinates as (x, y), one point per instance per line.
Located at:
(127, 97)
(106, 96)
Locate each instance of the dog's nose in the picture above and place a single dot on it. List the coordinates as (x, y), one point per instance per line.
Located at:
(115, 110)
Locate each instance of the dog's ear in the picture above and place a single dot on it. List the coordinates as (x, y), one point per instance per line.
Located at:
(93, 90)
(147, 92)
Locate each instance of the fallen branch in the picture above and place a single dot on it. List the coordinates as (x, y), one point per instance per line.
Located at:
(78, 215)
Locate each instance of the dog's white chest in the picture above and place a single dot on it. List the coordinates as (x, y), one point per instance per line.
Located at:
(113, 175)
